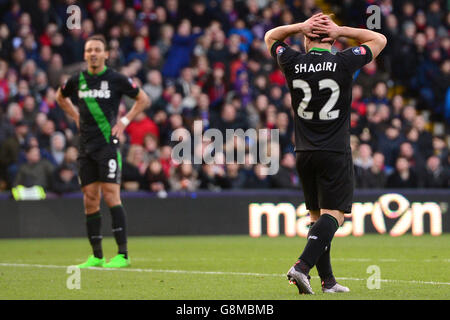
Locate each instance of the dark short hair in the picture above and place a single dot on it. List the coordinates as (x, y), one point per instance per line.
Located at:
(98, 37)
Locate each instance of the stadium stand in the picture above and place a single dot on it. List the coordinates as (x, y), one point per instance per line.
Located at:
(206, 60)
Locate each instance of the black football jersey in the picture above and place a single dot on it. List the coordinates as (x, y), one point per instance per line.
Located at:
(321, 89)
(98, 98)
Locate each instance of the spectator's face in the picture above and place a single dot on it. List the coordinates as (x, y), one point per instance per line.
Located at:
(33, 155)
(184, 29)
(408, 9)
(48, 128)
(44, 5)
(445, 68)
(410, 31)
(232, 169)
(365, 135)
(276, 92)
(139, 44)
(354, 143)
(166, 152)
(71, 155)
(413, 135)
(101, 17)
(95, 54)
(262, 103)
(15, 112)
(420, 41)
(155, 78)
(391, 22)
(187, 74)
(218, 73)
(288, 161)
(392, 133)
(176, 121)
(147, 4)
(397, 102)
(357, 92)
(438, 143)
(203, 101)
(260, 171)
(186, 169)
(22, 130)
(172, 5)
(371, 67)
(282, 120)
(435, 6)
(365, 151)
(430, 32)
(150, 143)
(155, 167)
(199, 8)
(402, 165)
(176, 100)
(419, 123)
(406, 150)
(140, 116)
(433, 163)
(58, 143)
(66, 175)
(227, 6)
(384, 112)
(378, 160)
(409, 113)
(420, 19)
(380, 90)
(228, 113)
(436, 55)
(24, 90)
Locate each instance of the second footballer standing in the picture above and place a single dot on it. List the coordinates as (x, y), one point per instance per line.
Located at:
(97, 92)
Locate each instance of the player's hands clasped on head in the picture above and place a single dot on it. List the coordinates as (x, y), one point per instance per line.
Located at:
(326, 27)
(308, 26)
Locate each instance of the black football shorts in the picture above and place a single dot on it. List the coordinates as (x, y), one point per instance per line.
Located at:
(327, 178)
(101, 165)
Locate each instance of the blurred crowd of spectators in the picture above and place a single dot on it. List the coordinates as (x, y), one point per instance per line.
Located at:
(206, 60)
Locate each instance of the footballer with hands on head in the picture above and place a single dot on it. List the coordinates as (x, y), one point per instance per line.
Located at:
(320, 84)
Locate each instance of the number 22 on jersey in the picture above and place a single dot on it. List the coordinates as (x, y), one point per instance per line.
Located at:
(326, 112)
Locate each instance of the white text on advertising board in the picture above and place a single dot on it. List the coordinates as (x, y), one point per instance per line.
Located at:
(408, 216)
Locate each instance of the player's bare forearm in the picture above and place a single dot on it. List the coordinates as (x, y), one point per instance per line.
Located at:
(374, 40)
(142, 102)
(67, 106)
(283, 32)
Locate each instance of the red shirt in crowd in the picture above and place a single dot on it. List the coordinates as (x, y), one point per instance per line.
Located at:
(138, 129)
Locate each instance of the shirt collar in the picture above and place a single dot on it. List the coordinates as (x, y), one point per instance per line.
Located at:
(319, 49)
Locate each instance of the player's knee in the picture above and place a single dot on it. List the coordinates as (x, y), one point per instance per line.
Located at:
(111, 198)
(91, 200)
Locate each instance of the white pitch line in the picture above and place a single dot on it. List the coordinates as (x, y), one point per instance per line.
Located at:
(214, 273)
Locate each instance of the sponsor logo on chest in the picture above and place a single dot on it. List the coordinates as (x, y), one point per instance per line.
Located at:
(102, 93)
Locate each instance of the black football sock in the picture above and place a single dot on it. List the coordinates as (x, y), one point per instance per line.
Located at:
(323, 265)
(119, 228)
(93, 225)
(325, 270)
(320, 236)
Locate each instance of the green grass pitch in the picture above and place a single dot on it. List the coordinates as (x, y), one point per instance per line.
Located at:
(225, 267)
